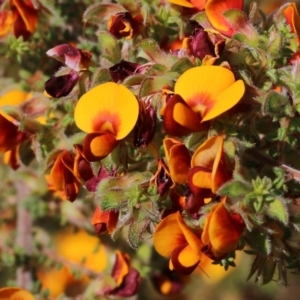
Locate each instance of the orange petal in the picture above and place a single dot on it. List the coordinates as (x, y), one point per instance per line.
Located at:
(179, 118)
(28, 14)
(168, 235)
(121, 267)
(6, 22)
(15, 293)
(221, 231)
(178, 158)
(207, 152)
(292, 17)
(97, 145)
(214, 92)
(184, 3)
(199, 4)
(214, 10)
(108, 107)
(200, 178)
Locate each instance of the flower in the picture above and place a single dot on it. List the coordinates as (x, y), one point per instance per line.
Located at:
(62, 175)
(107, 112)
(123, 25)
(173, 238)
(199, 4)
(222, 231)
(178, 158)
(208, 170)
(195, 101)
(15, 293)
(73, 248)
(122, 70)
(76, 59)
(22, 19)
(215, 9)
(127, 279)
(104, 220)
(293, 19)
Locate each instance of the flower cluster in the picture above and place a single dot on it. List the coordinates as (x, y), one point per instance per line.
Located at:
(181, 123)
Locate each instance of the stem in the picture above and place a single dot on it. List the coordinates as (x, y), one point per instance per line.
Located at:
(23, 235)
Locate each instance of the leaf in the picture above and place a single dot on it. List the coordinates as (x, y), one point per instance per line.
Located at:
(277, 104)
(109, 47)
(155, 85)
(182, 65)
(133, 6)
(259, 241)
(277, 210)
(112, 200)
(134, 80)
(235, 189)
(136, 229)
(99, 12)
(101, 75)
(154, 53)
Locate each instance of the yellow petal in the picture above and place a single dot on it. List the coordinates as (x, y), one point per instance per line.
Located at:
(188, 257)
(108, 107)
(225, 100)
(15, 293)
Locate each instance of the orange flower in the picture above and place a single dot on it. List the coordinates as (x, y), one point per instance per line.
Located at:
(21, 19)
(104, 220)
(174, 239)
(15, 293)
(195, 101)
(107, 112)
(293, 19)
(199, 4)
(74, 248)
(62, 175)
(214, 10)
(178, 158)
(123, 25)
(208, 171)
(222, 232)
(127, 279)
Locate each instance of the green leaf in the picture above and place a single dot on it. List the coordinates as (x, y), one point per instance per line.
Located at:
(277, 104)
(134, 80)
(259, 241)
(275, 43)
(136, 230)
(101, 75)
(277, 210)
(109, 47)
(182, 65)
(235, 189)
(154, 85)
(133, 6)
(99, 12)
(112, 200)
(154, 53)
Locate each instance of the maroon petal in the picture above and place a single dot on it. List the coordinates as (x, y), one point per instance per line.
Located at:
(121, 70)
(61, 86)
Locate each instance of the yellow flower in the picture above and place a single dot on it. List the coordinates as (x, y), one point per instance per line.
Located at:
(108, 113)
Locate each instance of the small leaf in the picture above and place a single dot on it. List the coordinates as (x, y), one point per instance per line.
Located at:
(155, 85)
(235, 189)
(259, 241)
(101, 75)
(152, 50)
(98, 12)
(109, 47)
(182, 65)
(277, 210)
(134, 80)
(136, 230)
(132, 6)
(277, 104)
(112, 200)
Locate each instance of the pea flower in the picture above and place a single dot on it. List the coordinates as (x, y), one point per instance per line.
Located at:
(107, 112)
(22, 19)
(201, 94)
(123, 24)
(104, 221)
(173, 238)
(11, 293)
(222, 232)
(208, 170)
(62, 175)
(76, 60)
(127, 279)
(293, 19)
